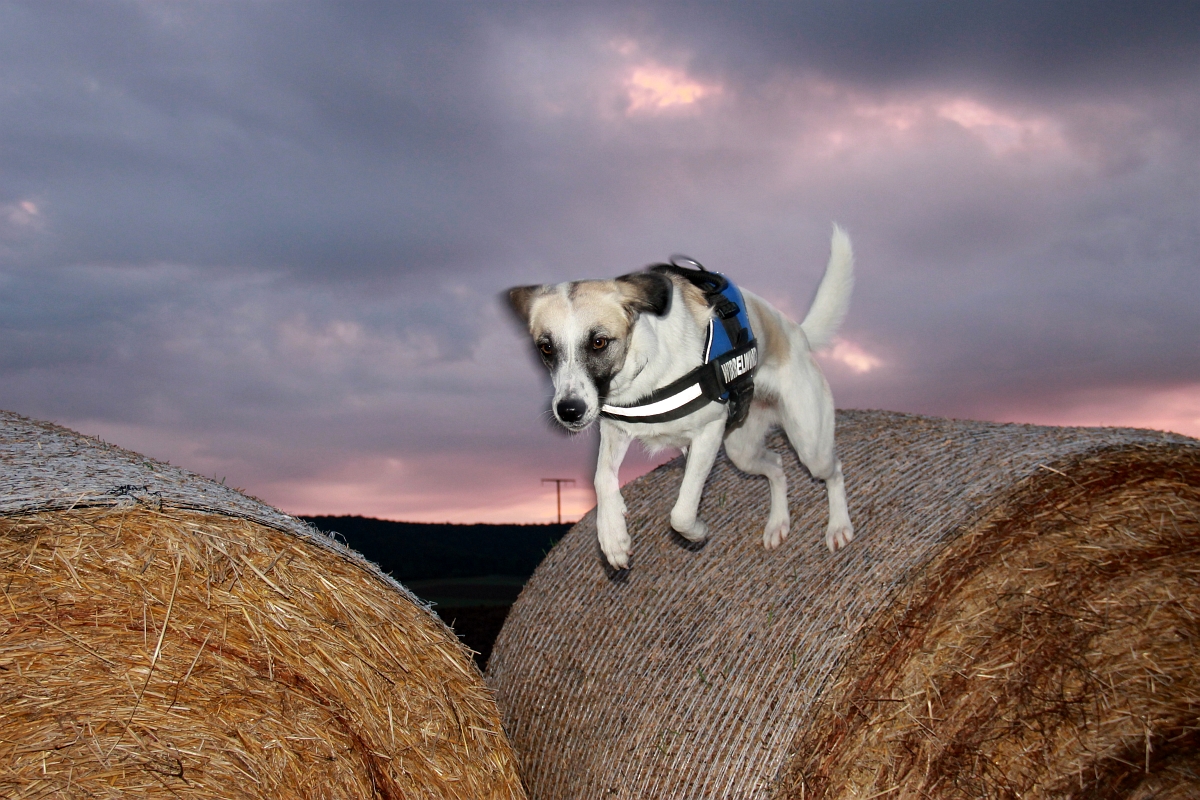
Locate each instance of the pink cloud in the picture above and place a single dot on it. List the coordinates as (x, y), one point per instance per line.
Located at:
(653, 88)
(851, 355)
(1001, 130)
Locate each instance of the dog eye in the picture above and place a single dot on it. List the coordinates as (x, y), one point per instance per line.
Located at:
(547, 348)
(599, 342)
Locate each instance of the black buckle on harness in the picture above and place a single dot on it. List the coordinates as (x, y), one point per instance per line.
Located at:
(725, 309)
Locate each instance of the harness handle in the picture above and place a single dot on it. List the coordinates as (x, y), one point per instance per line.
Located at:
(711, 283)
(685, 262)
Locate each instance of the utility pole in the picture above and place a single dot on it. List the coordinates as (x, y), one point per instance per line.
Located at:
(558, 482)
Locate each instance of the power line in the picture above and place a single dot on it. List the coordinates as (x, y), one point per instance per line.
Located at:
(558, 482)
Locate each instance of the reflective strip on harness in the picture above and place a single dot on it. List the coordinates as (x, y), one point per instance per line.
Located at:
(653, 409)
(728, 378)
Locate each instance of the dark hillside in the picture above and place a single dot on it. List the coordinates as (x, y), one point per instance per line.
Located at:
(413, 551)
(433, 556)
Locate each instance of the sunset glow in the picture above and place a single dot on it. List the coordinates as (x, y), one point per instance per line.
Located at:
(853, 356)
(655, 88)
(1176, 409)
(1002, 132)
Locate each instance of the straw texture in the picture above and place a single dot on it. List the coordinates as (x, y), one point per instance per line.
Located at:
(166, 636)
(1019, 616)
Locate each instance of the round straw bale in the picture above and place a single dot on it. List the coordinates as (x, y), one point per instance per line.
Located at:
(163, 635)
(1018, 616)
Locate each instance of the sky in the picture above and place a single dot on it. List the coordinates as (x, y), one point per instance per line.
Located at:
(266, 241)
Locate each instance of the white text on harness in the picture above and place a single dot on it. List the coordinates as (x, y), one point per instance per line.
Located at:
(739, 365)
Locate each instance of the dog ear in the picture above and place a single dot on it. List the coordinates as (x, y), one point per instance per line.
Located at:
(646, 291)
(520, 298)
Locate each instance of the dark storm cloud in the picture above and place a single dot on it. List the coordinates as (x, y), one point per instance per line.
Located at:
(330, 139)
(1032, 44)
(266, 239)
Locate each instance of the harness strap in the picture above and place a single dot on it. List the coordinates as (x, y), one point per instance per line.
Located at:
(727, 378)
(719, 381)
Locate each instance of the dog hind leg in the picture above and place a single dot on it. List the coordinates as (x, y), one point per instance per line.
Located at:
(808, 420)
(840, 532)
(746, 448)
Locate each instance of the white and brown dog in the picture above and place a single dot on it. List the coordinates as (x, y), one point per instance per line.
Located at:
(622, 350)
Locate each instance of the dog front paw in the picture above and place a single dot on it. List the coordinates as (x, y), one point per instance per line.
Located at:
(775, 532)
(617, 553)
(838, 536)
(615, 543)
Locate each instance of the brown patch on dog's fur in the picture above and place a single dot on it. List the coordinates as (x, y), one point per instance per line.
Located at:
(773, 340)
(613, 305)
(584, 293)
(606, 305)
(602, 300)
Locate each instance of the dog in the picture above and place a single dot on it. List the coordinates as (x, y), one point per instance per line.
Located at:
(614, 347)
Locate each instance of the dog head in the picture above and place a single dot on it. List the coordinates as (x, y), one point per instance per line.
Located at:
(581, 331)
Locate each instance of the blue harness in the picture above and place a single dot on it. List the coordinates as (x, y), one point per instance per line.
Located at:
(730, 358)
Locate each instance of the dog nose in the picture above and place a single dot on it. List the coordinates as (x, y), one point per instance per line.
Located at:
(571, 410)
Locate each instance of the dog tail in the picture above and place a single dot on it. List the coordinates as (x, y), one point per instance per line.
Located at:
(833, 295)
